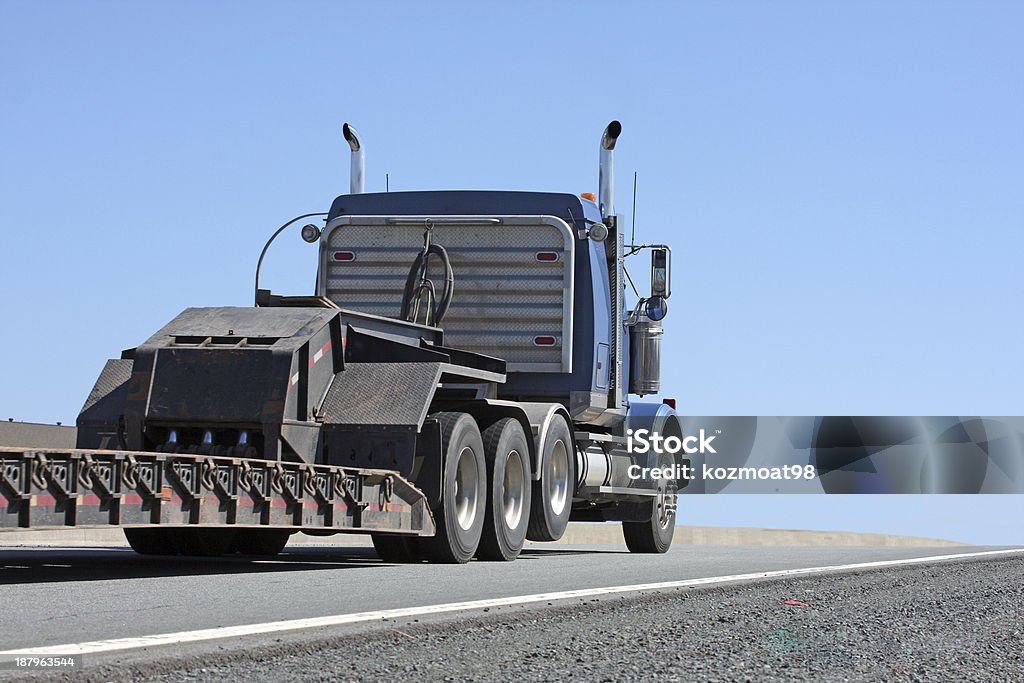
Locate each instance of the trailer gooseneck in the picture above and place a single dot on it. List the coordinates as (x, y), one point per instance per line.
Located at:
(458, 382)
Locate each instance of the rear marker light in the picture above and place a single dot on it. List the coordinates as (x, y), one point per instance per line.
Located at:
(344, 256)
(544, 341)
(547, 256)
(670, 402)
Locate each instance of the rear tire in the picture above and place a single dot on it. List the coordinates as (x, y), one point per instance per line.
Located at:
(268, 542)
(460, 515)
(508, 493)
(395, 549)
(552, 494)
(150, 541)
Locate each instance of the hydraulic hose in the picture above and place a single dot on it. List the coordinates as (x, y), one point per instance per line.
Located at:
(417, 284)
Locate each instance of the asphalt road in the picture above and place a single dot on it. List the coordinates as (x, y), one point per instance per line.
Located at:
(960, 621)
(58, 596)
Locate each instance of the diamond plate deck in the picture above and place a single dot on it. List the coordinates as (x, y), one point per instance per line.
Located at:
(381, 394)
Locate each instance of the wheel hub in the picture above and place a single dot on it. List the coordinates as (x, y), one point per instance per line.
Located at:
(514, 490)
(557, 477)
(466, 490)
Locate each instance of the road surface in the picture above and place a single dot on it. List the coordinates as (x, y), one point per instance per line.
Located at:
(175, 617)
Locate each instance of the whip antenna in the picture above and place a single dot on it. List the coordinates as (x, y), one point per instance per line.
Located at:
(632, 237)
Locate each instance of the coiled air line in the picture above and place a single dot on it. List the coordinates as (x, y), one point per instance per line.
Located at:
(418, 286)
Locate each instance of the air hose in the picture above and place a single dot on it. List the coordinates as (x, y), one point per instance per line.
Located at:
(419, 286)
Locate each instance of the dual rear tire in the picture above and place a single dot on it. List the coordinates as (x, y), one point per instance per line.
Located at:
(459, 517)
(509, 491)
(490, 503)
(507, 506)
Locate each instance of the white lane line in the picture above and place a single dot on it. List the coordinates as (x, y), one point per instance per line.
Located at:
(378, 615)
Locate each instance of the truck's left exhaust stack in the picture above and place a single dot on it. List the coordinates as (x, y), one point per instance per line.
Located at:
(606, 181)
(356, 182)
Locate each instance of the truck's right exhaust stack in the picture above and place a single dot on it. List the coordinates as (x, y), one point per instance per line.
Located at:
(606, 181)
(356, 185)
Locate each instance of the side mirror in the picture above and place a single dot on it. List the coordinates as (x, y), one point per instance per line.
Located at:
(661, 272)
(657, 308)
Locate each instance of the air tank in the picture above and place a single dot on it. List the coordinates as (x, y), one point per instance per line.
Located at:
(644, 354)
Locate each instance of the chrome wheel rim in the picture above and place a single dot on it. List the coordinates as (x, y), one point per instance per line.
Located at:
(666, 500)
(664, 513)
(467, 492)
(558, 477)
(514, 491)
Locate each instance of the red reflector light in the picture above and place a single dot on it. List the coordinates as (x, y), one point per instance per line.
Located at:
(344, 256)
(544, 341)
(670, 402)
(547, 256)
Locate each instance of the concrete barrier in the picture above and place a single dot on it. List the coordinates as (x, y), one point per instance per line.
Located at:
(611, 534)
(32, 435)
(577, 534)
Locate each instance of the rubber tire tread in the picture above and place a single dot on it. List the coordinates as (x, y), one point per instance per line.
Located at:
(440, 548)
(540, 527)
(648, 537)
(495, 544)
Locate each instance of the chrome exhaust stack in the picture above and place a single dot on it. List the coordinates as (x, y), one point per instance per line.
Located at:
(606, 180)
(356, 180)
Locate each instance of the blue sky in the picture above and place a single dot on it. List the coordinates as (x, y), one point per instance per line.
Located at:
(842, 182)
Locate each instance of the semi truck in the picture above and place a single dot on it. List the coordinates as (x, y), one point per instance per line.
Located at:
(462, 379)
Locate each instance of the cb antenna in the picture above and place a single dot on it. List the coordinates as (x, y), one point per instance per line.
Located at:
(632, 237)
(387, 182)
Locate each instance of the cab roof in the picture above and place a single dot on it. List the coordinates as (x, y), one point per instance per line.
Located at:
(568, 207)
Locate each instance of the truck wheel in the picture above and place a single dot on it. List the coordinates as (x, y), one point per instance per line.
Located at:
(552, 494)
(202, 542)
(150, 541)
(460, 515)
(395, 549)
(259, 541)
(508, 501)
(654, 535)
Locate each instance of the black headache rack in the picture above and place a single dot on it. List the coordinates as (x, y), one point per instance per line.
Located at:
(57, 488)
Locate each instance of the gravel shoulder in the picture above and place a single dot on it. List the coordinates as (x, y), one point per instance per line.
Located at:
(960, 621)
